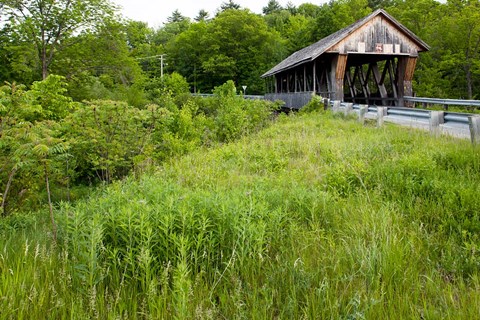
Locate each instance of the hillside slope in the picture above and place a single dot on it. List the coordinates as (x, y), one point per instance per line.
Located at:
(314, 217)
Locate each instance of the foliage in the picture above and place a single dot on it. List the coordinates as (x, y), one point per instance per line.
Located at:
(105, 58)
(101, 141)
(314, 105)
(48, 23)
(106, 136)
(294, 222)
(236, 45)
(271, 7)
(49, 96)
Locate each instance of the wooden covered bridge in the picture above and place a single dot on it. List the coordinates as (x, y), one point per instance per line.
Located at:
(371, 62)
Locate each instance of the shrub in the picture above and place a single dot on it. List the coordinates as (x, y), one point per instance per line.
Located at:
(314, 105)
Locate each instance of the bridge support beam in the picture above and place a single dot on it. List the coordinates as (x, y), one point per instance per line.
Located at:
(339, 65)
(406, 69)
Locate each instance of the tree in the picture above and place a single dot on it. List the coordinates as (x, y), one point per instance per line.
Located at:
(102, 64)
(298, 32)
(176, 17)
(186, 52)
(169, 31)
(272, 6)
(236, 45)
(42, 148)
(433, 78)
(47, 24)
(324, 25)
(18, 59)
(347, 12)
(377, 4)
(291, 8)
(239, 47)
(202, 15)
(230, 5)
(308, 10)
(460, 46)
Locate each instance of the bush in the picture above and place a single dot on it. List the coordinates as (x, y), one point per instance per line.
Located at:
(314, 105)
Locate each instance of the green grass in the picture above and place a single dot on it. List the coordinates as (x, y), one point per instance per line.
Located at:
(315, 217)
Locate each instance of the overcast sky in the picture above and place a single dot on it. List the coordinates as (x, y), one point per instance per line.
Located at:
(155, 12)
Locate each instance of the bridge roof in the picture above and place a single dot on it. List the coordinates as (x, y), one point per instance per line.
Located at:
(313, 51)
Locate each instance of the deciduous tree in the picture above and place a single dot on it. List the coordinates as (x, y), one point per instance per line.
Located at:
(48, 23)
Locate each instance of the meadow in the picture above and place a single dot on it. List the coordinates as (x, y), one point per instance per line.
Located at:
(314, 217)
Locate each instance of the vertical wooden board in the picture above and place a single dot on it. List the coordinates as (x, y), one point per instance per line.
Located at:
(378, 30)
(341, 65)
(410, 68)
(388, 36)
(361, 47)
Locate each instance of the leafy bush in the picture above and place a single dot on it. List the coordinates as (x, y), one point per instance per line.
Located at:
(315, 104)
(236, 116)
(105, 137)
(50, 96)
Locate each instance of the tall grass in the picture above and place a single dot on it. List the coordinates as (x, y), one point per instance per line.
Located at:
(315, 217)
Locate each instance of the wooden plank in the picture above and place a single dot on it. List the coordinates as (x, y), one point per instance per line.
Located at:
(393, 80)
(361, 77)
(348, 76)
(295, 70)
(341, 65)
(385, 69)
(410, 68)
(378, 78)
(304, 78)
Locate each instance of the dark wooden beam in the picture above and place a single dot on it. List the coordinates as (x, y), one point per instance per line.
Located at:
(378, 80)
(351, 85)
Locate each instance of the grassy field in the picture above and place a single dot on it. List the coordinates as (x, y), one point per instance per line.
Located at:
(316, 217)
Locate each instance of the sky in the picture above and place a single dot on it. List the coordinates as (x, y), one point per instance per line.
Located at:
(155, 12)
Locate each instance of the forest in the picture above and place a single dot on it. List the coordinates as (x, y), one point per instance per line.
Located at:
(103, 55)
(124, 196)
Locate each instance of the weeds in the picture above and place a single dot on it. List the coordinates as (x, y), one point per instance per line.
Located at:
(315, 217)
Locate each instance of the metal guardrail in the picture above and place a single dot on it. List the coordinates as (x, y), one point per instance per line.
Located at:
(456, 117)
(418, 114)
(464, 125)
(444, 102)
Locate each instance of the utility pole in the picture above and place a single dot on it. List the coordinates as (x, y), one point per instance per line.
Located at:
(162, 63)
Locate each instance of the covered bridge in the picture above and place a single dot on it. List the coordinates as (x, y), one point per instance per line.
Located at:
(371, 62)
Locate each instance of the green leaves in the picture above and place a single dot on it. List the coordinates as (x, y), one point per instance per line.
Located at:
(47, 24)
(236, 45)
(41, 150)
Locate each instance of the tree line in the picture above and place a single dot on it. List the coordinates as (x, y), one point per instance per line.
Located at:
(102, 54)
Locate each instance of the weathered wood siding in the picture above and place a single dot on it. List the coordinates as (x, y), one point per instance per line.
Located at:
(292, 100)
(377, 36)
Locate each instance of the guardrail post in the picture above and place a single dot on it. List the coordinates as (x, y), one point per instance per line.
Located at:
(336, 106)
(381, 112)
(326, 104)
(348, 108)
(436, 119)
(474, 123)
(362, 113)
